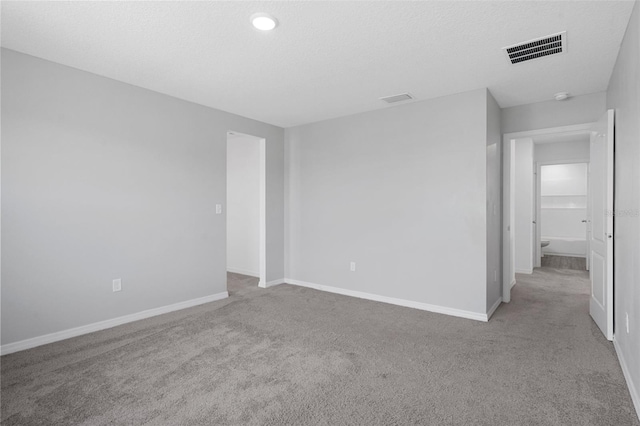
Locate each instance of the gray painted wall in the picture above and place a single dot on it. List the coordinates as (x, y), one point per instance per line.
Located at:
(104, 180)
(562, 151)
(494, 202)
(542, 115)
(401, 192)
(624, 95)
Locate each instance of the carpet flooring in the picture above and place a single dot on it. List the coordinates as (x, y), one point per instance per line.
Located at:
(295, 356)
(564, 262)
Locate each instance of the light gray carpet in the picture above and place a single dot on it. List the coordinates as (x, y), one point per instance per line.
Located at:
(291, 355)
(564, 262)
(241, 285)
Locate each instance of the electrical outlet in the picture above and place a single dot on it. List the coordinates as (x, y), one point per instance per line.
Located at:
(218, 208)
(352, 266)
(117, 284)
(627, 321)
(495, 276)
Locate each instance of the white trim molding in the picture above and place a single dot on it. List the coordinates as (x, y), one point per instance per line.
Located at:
(271, 283)
(524, 271)
(493, 308)
(392, 300)
(635, 396)
(101, 325)
(575, 129)
(243, 272)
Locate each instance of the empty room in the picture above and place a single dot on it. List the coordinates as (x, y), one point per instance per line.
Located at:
(320, 213)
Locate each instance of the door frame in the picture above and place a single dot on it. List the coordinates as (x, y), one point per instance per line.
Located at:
(263, 213)
(262, 148)
(508, 172)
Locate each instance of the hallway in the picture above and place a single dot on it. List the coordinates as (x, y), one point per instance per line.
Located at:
(550, 309)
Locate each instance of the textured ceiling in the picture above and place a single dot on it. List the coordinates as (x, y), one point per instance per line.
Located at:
(326, 59)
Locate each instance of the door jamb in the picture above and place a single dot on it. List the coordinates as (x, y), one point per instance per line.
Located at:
(263, 213)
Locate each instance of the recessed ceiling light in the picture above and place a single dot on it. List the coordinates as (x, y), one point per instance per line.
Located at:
(264, 21)
(561, 96)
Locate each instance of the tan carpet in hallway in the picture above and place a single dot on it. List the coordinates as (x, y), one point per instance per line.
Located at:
(292, 355)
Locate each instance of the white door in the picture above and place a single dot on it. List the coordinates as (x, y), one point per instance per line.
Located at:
(601, 235)
(587, 221)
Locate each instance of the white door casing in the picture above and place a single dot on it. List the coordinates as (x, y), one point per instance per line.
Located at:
(601, 235)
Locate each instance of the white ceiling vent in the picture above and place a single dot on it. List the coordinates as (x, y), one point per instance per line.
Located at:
(537, 48)
(397, 98)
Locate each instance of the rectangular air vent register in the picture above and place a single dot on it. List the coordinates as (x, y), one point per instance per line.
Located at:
(553, 44)
(397, 98)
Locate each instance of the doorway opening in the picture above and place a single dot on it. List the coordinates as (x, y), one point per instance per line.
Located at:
(558, 193)
(246, 212)
(562, 215)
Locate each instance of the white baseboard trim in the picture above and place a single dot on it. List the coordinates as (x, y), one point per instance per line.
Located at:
(524, 271)
(242, 271)
(513, 283)
(635, 396)
(272, 283)
(493, 308)
(101, 325)
(400, 302)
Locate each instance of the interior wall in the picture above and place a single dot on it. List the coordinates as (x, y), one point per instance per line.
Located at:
(624, 96)
(494, 203)
(104, 180)
(542, 115)
(562, 151)
(524, 190)
(402, 193)
(243, 205)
